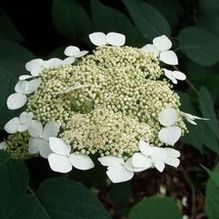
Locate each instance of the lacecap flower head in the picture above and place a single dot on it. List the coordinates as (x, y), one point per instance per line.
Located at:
(116, 105)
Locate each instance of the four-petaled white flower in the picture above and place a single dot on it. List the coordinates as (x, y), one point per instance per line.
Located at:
(19, 124)
(171, 133)
(73, 52)
(102, 39)
(39, 141)
(191, 118)
(36, 66)
(151, 156)
(161, 48)
(22, 88)
(62, 160)
(3, 145)
(174, 75)
(117, 170)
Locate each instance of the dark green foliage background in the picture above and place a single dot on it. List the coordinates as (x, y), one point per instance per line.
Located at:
(41, 28)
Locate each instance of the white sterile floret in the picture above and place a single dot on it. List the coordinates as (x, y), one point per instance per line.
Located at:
(35, 67)
(117, 170)
(22, 88)
(62, 160)
(151, 156)
(191, 118)
(74, 51)
(112, 38)
(160, 48)
(174, 75)
(39, 141)
(19, 124)
(3, 145)
(171, 133)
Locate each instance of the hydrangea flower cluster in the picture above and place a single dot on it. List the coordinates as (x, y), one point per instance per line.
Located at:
(116, 106)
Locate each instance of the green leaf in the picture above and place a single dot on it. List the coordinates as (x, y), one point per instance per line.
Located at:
(212, 196)
(9, 71)
(155, 208)
(62, 198)
(209, 22)
(14, 180)
(7, 29)
(209, 5)
(170, 9)
(208, 111)
(109, 19)
(12, 50)
(30, 208)
(120, 193)
(147, 19)
(199, 45)
(70, 19)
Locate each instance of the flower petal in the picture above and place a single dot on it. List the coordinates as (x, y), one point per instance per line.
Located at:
(190, 118)
(169, 57)
(169, 74)
(150, 48)
(53, 63)
(119, 174)
(16, 101)
(168, 116)
(32, 85)
(3, 145)
(162, 43)
(35, 129)
(159, 165)
(33, 64)
(130, 167)
(20, 87)
(81, 53)
(59, 163)
(115, 39)
(110, 161)
(174, 162)
(24, 77)
(172, 152)
(51, 129)
(44, 148)
(179, 75)
(169, 135)
(144, 147)
(81, 161)
(98, 38)
(11, 126)
(58, 146)
(141, 161)
(69, 60)
(26, 117)
(71, 51)
(33, 145)
(39, 145)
